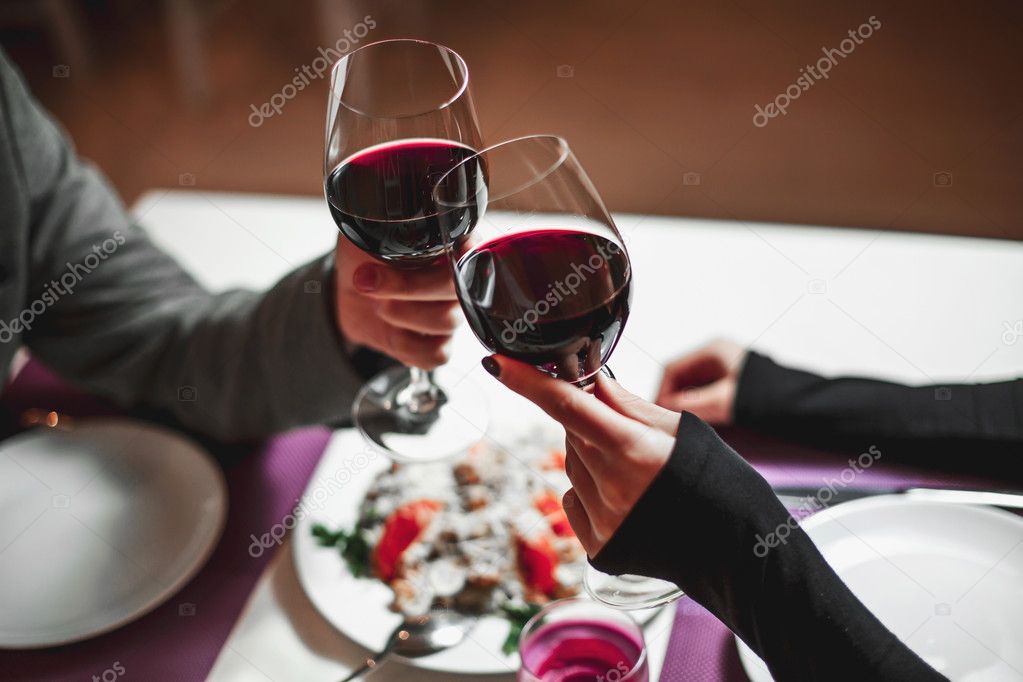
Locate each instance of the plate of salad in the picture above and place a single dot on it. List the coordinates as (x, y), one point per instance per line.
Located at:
(483, 534)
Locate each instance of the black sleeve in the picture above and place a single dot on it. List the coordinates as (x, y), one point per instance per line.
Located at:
(800, 404)
(784, 601)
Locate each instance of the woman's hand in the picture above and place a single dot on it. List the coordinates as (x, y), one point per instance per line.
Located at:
(407, 314)
(704, 382)
(616, 444)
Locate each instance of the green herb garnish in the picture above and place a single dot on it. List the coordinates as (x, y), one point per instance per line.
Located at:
(517, 616)
(327, 537)
(351, 544)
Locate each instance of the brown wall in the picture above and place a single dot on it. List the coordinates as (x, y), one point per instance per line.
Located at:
(919, 128)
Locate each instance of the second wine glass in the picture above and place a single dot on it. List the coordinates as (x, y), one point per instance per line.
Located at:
(544, 277)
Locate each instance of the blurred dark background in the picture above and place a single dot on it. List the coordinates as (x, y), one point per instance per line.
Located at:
(920, 128)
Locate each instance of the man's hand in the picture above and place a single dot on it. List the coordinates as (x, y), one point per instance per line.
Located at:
(704, 382)
(407, 314)
(616, 444)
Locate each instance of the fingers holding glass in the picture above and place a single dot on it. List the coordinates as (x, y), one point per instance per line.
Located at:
(611, 393)
(602, 505)
(546, 285)
(431, 318)
(385, 148)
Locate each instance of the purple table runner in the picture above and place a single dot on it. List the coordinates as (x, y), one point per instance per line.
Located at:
(181, 639)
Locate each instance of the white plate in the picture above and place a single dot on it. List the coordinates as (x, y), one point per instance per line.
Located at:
(101, 524)
(947, 579)
(358, 607)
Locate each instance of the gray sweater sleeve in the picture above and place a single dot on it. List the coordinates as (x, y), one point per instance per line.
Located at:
(120, 317)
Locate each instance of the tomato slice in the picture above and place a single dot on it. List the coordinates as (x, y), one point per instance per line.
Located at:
(537, 562)
(402, 528)
(555, 461)
(550, 506)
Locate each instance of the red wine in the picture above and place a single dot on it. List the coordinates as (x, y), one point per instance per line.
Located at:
(582, 651)
(381, 198)
(557, 299)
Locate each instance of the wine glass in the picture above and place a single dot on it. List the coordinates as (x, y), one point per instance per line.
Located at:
(544, 277)
(399, 117)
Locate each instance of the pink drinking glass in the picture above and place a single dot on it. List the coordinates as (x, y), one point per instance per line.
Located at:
(581, 639)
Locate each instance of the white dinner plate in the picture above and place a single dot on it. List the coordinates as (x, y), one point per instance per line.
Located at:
(947, 579)
(101, 524)
(358, 607)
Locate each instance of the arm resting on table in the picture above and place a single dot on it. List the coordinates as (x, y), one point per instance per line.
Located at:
(124, 320)
(795, 403)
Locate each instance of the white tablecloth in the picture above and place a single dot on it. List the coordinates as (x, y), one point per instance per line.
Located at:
(913, 308)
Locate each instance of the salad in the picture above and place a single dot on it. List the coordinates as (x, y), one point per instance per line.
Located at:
(485, 534)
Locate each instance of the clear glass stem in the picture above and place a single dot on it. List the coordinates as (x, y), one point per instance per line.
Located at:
(422, 396)
(589, 384)
(407, 414)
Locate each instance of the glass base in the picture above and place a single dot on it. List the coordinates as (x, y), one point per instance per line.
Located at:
(629, 592)
(410, 430)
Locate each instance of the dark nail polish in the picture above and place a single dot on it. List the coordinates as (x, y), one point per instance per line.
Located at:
(490, 364)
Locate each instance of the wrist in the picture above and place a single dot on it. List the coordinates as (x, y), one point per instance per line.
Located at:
(709, 496)
(751, 394)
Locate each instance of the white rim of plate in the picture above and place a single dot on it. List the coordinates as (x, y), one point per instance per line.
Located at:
(752, 665)
(175, 586)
